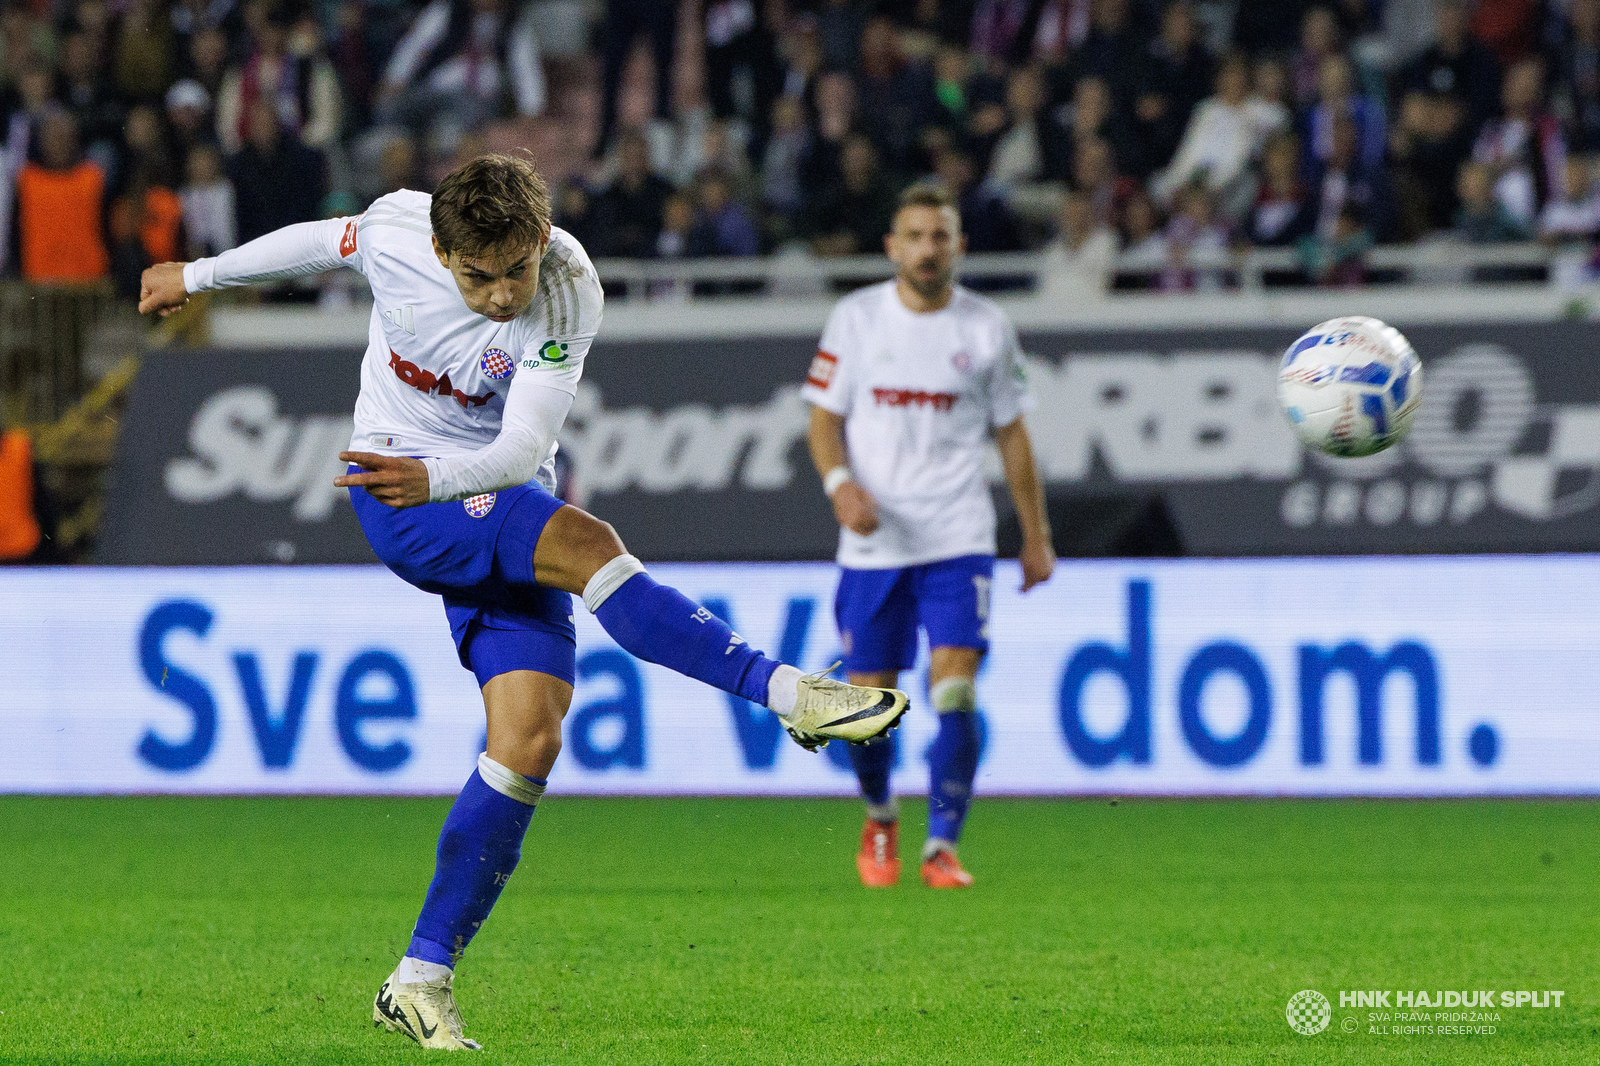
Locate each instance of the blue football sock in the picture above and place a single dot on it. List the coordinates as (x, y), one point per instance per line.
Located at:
(659, 624)
(873, 761)
(478, 848)
(952, 765)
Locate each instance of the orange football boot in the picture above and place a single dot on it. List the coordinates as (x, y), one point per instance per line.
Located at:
(878, 861)
(944, 870)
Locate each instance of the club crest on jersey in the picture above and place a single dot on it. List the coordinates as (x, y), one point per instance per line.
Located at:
(497, 364)
(478, 506)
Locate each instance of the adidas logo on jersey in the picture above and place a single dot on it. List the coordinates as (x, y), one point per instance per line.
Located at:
(402, 318)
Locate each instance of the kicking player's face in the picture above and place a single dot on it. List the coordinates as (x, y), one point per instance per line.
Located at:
(498, 284)
(923, 243)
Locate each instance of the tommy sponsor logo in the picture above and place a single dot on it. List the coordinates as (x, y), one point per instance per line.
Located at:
(424, 381)
(478, 506)
(939, 401)
(823, 364)
(347, 243)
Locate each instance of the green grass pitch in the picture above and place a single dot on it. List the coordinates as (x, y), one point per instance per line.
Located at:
(734, 932)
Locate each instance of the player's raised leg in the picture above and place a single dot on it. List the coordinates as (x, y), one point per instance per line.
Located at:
(952, 761)
(481, 841)
(657, 623)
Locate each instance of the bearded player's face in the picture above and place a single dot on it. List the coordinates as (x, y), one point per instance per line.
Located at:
(498, 284)
(923, 245)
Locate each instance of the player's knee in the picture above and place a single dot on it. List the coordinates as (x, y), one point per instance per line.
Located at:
(954, 694)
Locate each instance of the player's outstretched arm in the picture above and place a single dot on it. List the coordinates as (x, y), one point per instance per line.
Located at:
(1038, 556)
(290, 252)
(853, 505)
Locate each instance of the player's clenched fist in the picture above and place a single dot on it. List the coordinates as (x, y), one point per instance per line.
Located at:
(396, 480)
(855, 508)
(161, 289)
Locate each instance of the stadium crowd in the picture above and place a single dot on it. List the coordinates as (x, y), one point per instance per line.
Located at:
(137, 131)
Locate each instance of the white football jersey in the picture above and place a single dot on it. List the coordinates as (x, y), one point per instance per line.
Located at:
(920, 395)
(436, 375)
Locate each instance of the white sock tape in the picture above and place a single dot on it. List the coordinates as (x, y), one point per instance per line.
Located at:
(508, 782)
(608, 579)
(954, 694)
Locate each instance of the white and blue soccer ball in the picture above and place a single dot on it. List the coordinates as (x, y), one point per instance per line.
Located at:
(1350, 386)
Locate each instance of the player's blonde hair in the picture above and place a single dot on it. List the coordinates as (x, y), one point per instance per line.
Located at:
(491, 203)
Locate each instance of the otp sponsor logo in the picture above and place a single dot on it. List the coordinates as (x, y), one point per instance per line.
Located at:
(424, 381)
(347, 243)
(939, 401)
(823, 365)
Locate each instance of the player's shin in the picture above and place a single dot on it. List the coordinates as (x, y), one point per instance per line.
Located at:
(872, 762)
(659, 624)
(953, 759)
(478, 848)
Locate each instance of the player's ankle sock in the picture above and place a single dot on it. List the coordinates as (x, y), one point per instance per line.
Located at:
(659, 624)
(478, 848)
(953, 759)
(873, 761)
(887, 813)
(934, 845)
(412, 971)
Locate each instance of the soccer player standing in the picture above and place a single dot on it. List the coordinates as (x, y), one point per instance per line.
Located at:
(912, 379)
(483, 315)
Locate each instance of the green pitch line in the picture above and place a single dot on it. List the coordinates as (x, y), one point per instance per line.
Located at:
(733, 932)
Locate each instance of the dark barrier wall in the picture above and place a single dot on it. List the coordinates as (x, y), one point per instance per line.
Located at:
(1164, 442)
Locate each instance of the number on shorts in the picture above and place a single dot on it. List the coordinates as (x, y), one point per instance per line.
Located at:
(982, 584)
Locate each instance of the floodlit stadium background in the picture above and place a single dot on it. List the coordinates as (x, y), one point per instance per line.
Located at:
(199, 613)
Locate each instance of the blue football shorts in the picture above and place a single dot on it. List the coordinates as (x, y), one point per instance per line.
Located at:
(478, 555)
(878, 611)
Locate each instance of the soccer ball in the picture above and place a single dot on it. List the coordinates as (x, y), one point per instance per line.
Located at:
(1350, 386)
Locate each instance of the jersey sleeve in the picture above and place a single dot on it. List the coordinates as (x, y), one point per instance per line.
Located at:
(290, 252)
(1009, 398)
(565, 325)
(828, 383)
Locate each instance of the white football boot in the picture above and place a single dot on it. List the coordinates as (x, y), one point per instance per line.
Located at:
(424, 1011)
(825, 709)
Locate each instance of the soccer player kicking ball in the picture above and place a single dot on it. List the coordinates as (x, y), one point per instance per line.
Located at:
(912, 378)
(483, 316)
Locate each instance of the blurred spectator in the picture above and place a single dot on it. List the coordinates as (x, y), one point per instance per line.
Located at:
(277, 180)
(677, 219)
(1337, 98)
(574, 212)
(1574, 217)
(20, 533)
(89, 95)
(189, 114)
(1094, 173)
(782, 192)
(985, 220)
(146, 227)
(627, 216)
(836, 120)
(1279, 216)
(142, 56)
(1269, 83)
(1142, 245)
(1093, 114)
(1111, 49)
(1079, 260)
(853, 212)
(625, 21)
(897, 94)
(60, 200)
(800, 59)
(1268, 25)
(1225, 133)
(1196, 243)
(839, 27)
(1505, 26)
(145, 148)
(1523, 149)
(452, 68)
(1429, 143)
(398, 167)
(1061, 27)
(1346, 179)
(1575, 75)
(740, 52)
(1456, 64)
(209, 221)
(722, 227)
(208, 59)
(1030, 163)
(1319, 39)
(1176, 75)
(286, 70)
(353, 60)
(1337, 260)
(1482, 218)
